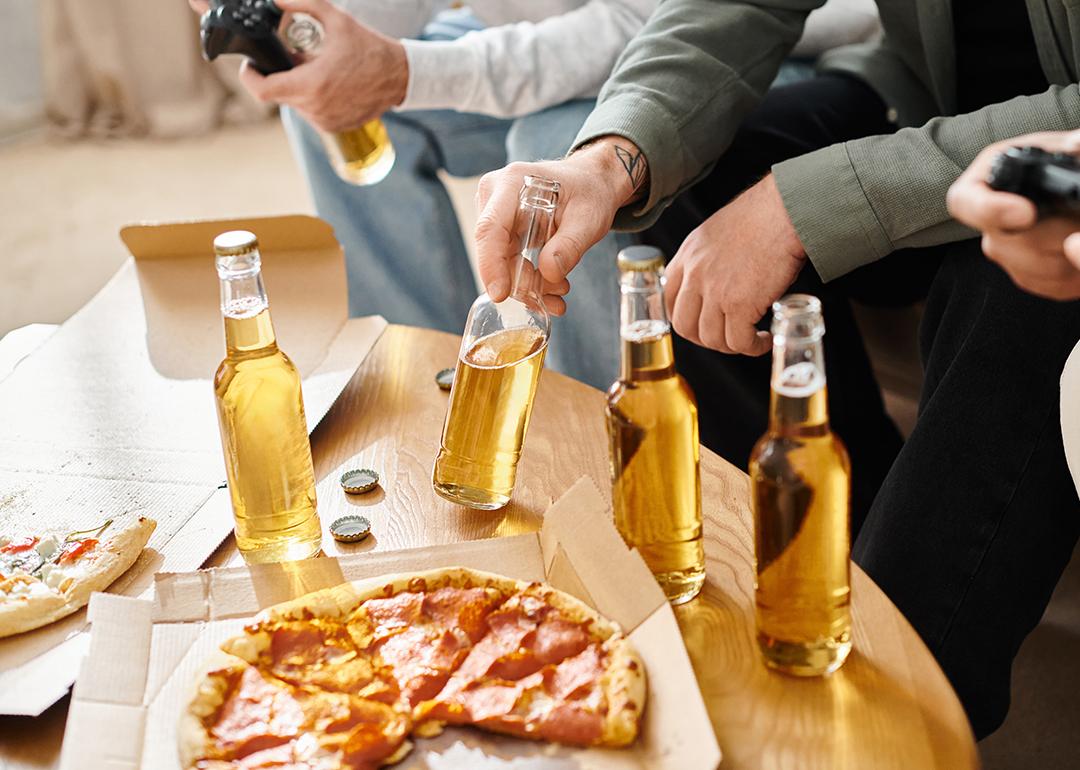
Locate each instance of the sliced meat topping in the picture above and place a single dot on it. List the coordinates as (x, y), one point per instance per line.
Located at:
(421, 663)
(463, 608)
(558, 639)
(388, 616)
(575, 676)
(256, 714)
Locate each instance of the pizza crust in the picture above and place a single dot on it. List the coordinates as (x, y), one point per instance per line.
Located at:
(97, 570)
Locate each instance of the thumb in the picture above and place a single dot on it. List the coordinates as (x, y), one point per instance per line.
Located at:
(565, 248)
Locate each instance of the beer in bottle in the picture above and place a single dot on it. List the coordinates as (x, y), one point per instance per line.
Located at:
(499, 364)
(653, 435)
(261, 415)
(800, 487)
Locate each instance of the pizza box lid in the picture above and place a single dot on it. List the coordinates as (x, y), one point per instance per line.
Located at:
(112, 416)
(145, 653)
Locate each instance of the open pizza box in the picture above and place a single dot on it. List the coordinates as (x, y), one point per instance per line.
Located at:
(145, 653)
(113, 415)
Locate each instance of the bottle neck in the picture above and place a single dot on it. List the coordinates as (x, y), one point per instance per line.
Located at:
(798, 403)
(248, 327)
(533, 225)
(644, 329)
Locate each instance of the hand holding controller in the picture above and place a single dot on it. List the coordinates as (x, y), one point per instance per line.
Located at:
(246, 27)
(1050, 180)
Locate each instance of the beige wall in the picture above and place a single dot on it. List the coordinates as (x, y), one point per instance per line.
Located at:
(21, 98)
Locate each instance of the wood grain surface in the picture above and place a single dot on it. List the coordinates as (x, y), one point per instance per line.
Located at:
(889, 707)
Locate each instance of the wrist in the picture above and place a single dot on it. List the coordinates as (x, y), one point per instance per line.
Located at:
(785, 231)
(397, 65)
(620, 163)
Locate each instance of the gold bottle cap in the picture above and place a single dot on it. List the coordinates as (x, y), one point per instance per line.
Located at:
(359, 481)
(350, 529)
(235, 243)
(641, 258)
(445, 379)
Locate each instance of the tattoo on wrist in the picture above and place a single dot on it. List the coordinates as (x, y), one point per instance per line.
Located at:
(635, 164)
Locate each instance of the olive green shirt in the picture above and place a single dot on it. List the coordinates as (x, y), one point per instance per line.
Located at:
(684, 84)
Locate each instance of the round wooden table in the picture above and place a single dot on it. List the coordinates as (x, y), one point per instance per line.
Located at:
(890, 706)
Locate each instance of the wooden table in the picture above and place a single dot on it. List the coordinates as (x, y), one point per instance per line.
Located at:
(889, 707)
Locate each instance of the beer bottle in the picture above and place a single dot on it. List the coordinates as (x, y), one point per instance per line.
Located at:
(261, 415)
(800, 481)
(653, 435)
(362, 155)
(499, 364)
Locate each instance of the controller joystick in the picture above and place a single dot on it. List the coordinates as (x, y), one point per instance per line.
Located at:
(1049, 180)
(248, 28)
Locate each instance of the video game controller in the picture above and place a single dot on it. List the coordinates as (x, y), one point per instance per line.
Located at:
(1050, 180)
(248, 28)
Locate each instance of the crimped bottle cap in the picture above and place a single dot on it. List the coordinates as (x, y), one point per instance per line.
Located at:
(445, 379)
(350, 529)
(359, 481)
(641, 258)
(234, 243)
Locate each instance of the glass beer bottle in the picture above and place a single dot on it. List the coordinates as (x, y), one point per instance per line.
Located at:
(261, 415)
(800, 482)
(653, 435)
(360, 156)
(499, 364)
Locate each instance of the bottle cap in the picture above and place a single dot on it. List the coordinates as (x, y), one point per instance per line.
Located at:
(445, 378)
(359, 481)
(641, 258)
(350, 529)
(234, 243)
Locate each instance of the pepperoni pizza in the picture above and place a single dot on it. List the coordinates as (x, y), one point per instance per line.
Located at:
(341, 678)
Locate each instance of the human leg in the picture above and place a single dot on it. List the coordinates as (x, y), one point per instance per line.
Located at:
(978, 517)
(733, 391)
(584, 342)
(404, 253)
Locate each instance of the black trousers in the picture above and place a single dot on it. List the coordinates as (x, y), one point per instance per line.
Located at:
(968, 525)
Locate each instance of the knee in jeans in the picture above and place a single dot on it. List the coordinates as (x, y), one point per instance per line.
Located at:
(548, 134)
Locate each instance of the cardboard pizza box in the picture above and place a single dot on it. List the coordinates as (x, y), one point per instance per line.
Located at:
(114, 413)
(145, 653)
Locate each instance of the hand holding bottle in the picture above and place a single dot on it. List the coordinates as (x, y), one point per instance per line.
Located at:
(358, 74)
(595, 182)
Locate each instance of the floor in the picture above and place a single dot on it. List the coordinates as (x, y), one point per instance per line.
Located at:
(61, 206)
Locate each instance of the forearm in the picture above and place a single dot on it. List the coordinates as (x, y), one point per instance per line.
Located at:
(516, 69)
(683, 86)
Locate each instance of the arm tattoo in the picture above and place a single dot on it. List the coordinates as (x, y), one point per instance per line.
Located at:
(636, 166)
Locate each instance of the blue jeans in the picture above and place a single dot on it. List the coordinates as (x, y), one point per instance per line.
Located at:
(404, 253)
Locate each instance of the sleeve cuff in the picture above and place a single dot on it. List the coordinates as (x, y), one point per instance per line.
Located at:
(654, 132)
(830, 211)
(442, 75)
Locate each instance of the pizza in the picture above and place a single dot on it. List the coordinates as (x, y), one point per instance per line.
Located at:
(341, 678)
(44, 577)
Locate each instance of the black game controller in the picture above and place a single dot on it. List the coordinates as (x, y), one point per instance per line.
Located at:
(1049, 180)
(246, 27)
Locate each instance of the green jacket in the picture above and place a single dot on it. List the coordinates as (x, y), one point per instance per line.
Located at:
(684, 84)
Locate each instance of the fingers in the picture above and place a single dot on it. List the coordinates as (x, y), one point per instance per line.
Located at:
(278, 87)
(495, 238)
(686, 315)
(199, 6)
(742, 336)
(971, 201)
(1072, 248)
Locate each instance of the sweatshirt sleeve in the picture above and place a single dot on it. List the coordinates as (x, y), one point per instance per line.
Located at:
(683, 86)
(853, 203)
(516, 69)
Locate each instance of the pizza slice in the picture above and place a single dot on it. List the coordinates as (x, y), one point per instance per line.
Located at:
(45, 577)
(451, 646)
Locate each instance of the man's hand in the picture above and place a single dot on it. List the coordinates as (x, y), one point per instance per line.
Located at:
(1041, 256)
(730, 270)
(199, 6)
(595, 182)
(356, 76)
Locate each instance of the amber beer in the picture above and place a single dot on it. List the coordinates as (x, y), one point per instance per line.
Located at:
(499, 365)
(800, 489)
(261, 415)
(653, 436)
